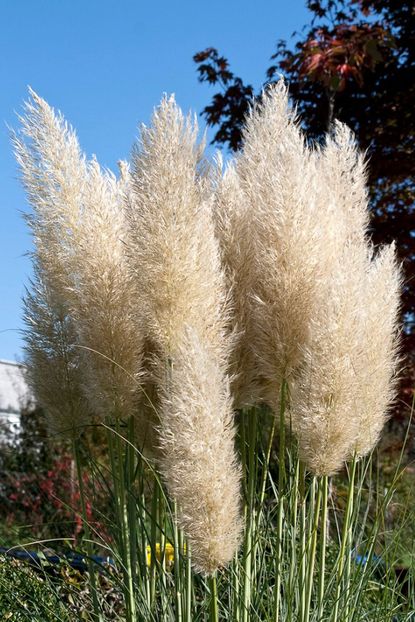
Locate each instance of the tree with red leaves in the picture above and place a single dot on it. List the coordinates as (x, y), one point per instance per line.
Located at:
(356, 63)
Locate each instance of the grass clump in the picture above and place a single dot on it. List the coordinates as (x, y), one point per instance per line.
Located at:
(233, 335)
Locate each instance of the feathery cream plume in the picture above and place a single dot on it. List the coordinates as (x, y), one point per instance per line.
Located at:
(79, 229)
(232, 227)
(323, 392)
(176, 263)
(52, 362)
(378, 366)
(344, 386)
(198, 455)
(282, 240)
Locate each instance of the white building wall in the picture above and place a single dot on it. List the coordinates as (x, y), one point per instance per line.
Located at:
(14, 393)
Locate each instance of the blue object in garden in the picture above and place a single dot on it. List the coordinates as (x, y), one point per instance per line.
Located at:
(362, 560)
(75, 560)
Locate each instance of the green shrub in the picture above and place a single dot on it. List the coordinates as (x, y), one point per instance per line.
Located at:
(29, 596)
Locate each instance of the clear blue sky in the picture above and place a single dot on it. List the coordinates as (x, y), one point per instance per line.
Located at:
(105, 65)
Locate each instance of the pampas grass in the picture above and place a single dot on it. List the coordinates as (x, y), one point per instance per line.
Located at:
(199, 463)
(282, 235)
(378, 366)
(79, 229)
(232, 218)
(293, 221)
(331, 397)
(169, 300)
(175, 258)
(52, 362)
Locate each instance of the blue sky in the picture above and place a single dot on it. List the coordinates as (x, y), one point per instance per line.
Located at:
(105, 65)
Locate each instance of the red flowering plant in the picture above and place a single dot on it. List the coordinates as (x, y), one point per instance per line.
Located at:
(39, 489)
(46, 501)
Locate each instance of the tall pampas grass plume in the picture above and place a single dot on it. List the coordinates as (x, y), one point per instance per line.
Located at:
(282, 243)
(79, 228)
(232, 227)
(175, 259)
(378, 367)
(342, 392)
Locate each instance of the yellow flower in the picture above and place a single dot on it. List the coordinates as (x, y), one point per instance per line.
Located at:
(167, 551)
